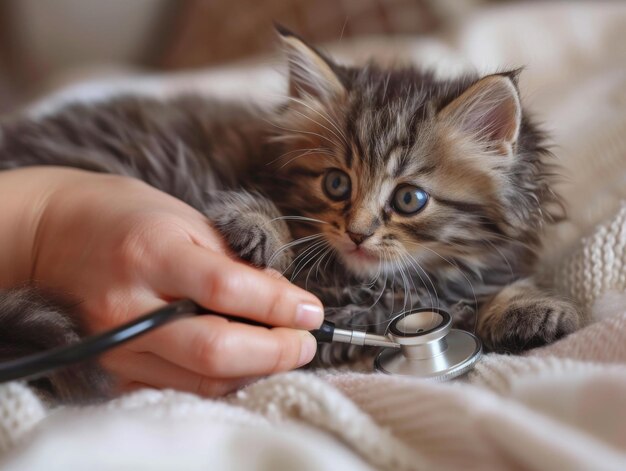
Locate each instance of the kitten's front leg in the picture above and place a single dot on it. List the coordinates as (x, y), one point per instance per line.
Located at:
(523, 316)
(248, 222)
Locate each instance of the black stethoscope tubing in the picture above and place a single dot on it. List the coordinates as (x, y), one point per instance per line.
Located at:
(41, 363)
(44, 362)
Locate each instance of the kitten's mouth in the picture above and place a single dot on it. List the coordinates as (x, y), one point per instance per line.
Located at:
(358, 259)
(363, 254)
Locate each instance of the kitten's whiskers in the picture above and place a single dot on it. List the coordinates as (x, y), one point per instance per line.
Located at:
(293, 243)
(320, 254)
(462, 274)
(416, 265)
(321, 259)
(297, 218)
(305, 256)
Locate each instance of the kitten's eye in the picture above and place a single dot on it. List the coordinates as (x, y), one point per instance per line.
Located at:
(409, 199)
(337, 185)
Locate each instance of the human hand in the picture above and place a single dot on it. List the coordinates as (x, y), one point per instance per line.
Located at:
(125, 248)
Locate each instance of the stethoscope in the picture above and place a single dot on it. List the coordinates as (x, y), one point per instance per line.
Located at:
(419, 343)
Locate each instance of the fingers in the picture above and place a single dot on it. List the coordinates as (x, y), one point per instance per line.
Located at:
(214, 347)
(146, 370)
(224, 285)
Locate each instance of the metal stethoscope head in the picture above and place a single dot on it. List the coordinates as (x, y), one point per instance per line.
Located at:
(418, 343)
(429, 346)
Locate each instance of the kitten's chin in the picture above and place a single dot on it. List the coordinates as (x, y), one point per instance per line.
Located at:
(362, 263)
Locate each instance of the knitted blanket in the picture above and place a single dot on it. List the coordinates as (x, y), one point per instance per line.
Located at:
(562, 406)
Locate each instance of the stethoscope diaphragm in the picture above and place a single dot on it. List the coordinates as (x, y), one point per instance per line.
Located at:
(429, 347)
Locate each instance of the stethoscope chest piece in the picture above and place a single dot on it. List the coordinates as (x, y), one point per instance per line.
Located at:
(429, 347)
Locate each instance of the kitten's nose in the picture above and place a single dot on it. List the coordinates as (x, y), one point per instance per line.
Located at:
(357, 238)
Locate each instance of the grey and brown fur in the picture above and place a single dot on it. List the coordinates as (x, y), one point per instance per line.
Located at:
(258, 174)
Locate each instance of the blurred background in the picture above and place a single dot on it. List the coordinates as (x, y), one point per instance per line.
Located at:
(573, 54)
(45, 44)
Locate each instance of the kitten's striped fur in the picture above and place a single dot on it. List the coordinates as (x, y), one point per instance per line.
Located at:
(258, 175)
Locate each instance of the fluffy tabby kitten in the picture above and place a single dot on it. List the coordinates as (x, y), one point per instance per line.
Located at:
(378, 189)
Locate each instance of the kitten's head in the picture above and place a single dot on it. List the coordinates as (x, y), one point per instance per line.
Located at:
(404, 168)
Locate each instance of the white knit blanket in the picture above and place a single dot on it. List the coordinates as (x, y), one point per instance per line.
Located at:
(558, 407)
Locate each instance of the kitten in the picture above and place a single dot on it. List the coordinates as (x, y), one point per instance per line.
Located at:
(377, 189)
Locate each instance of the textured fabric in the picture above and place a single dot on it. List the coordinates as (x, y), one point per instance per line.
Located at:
(558, 407)
(599, 265)
(20, 411)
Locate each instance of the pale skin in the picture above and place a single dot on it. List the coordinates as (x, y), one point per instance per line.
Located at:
(124, 248)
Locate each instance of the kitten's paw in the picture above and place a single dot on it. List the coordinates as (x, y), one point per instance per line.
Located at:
(528, 323)
(251, 226)
(253, 238)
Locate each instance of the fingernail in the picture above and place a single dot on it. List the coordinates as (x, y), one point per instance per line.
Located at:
(309, 316)
(308, 348)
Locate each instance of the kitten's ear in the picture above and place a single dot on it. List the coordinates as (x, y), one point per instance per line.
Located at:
(310, 73)
(490, 110)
